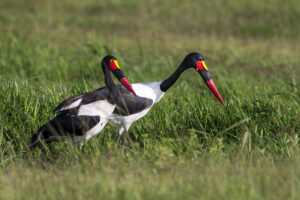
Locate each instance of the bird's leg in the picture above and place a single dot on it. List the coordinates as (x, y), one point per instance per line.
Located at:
(41, 146)
(118, 139)
(126, 137)
(80, 144)
(124, 140)
(119, 136)
(78, 141)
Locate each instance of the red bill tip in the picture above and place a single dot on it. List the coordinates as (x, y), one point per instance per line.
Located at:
(214, 90)
(125, 82)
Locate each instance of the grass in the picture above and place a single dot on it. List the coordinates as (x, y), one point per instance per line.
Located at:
(188, 146)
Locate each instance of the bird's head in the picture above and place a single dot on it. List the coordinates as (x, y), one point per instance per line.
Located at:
(196, 61)
(110, 63)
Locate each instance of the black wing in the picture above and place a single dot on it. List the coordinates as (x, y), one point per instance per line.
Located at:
(86, 98)
(128, 104)
(67, 102)
(68, 125)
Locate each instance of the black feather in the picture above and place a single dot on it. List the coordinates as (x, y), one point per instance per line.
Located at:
(126, 102)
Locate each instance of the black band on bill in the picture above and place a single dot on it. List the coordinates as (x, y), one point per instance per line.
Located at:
(118, 73)
(205, 75)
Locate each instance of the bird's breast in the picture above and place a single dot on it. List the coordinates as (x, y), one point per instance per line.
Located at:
(149, 90)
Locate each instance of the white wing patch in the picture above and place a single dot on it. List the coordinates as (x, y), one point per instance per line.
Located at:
(72, 105)
(98, 108)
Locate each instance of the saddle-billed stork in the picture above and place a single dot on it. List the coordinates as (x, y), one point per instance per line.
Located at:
(135, 107)
(83, 116)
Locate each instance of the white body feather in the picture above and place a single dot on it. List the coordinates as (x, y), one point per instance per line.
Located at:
(149, 90)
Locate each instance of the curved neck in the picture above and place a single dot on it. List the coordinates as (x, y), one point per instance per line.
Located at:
(166, 84)
(109, 81)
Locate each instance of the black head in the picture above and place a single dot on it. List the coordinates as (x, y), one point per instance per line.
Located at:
(106, 62)
(110, 63)
(196, 61)
(191, 60)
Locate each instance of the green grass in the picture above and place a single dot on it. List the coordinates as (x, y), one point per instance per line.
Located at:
(189, 146)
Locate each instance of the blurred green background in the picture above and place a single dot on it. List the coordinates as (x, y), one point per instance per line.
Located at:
(66, 39)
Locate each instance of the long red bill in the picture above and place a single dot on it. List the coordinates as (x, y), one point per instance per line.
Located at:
(214, 90)
(125, 82)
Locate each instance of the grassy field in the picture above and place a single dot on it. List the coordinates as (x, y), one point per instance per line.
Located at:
(189, 146)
